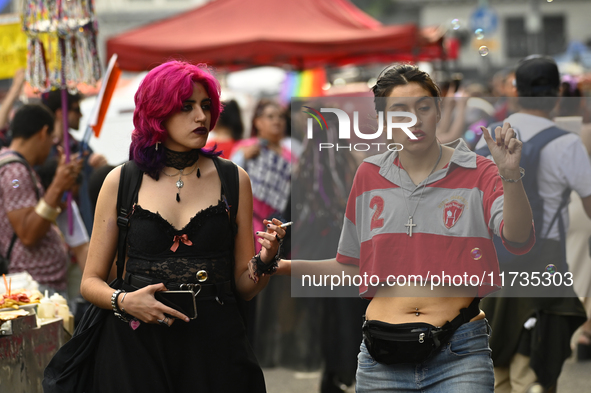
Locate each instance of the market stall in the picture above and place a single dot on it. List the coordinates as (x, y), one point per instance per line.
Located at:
(30, 332)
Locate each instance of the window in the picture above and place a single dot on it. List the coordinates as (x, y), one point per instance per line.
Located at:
(519, 43)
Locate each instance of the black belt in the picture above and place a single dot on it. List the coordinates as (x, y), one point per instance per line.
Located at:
(222, 289)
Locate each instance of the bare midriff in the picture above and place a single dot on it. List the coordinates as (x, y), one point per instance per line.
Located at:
(411, 304)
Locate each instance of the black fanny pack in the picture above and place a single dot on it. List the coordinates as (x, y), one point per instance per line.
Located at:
(411, 342)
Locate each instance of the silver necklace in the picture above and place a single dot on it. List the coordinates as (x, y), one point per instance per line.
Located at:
(409, 225)
(180, 183)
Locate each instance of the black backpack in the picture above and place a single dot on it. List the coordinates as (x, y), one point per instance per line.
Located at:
(530, 160)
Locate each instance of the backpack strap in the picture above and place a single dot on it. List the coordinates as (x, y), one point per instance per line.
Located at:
(561, 228)
(230, 183)
(129, 185)
(8, 158)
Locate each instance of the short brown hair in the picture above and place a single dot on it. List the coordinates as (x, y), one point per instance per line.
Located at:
(399, 75)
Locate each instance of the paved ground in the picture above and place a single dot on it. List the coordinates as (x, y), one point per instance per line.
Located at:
(575, 378)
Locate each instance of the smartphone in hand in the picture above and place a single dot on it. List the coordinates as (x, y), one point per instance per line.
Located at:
(183, 301)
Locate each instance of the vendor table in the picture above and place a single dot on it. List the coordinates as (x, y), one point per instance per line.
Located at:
(25, 351)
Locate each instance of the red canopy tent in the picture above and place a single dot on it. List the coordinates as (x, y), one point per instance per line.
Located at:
(244, 33)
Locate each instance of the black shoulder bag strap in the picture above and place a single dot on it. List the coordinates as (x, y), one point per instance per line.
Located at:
(7, 159)
(129, 185)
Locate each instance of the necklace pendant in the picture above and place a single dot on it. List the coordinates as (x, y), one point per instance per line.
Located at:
(409, 225)
(179, 183)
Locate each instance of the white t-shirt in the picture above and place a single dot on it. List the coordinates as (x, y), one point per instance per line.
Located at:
(564, 163)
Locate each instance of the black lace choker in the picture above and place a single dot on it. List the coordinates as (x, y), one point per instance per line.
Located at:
(180, 159)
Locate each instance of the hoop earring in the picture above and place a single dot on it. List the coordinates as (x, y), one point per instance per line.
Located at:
(157, 143)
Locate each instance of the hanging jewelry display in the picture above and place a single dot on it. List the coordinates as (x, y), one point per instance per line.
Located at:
(72, 26)
(74, 22)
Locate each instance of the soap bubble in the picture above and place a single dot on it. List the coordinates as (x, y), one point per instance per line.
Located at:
(483, 50)
(551, 268)
(455, 24)
(15, 183)
(479, 34)
(476, 253)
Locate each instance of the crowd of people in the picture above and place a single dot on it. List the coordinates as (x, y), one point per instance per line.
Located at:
(505, 170)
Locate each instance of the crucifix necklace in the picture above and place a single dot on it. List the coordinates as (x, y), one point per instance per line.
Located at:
(410, 225)
(180, 183)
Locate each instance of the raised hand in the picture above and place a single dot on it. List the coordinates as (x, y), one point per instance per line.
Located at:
(270, 245)
(505, 150)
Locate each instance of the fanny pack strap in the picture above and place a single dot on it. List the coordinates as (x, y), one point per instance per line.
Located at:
(466, 314)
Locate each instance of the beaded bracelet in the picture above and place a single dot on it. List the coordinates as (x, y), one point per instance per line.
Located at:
(521, 170)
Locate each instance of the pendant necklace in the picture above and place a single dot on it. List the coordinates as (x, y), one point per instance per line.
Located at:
(409, 225)
(180, 183)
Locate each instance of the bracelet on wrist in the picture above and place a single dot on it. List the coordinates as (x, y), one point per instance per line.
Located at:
(121, 302)
(47, 212)
(262, 267)
(521, 171)
(118, 312)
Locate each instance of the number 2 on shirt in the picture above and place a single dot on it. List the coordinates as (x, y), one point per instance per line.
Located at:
(377, 203)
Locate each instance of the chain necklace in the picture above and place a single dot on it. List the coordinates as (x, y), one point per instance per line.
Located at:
(409, 225)
(179, 183)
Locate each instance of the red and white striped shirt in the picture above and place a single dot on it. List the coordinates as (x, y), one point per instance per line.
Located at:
(460, 209)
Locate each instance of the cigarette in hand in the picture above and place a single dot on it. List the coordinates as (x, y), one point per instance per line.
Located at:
(287, 224)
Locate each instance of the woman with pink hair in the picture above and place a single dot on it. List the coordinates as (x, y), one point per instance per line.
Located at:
(179, 236)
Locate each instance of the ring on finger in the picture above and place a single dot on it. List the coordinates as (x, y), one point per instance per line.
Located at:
(163, 321)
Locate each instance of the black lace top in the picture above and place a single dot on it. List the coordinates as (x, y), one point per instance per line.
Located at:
(159, 250)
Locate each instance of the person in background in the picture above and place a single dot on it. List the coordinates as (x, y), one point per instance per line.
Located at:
(267, 162)
(268, 165)
(228, 130)
(531, 335)
(570, 112)
(77, 239)
(17, 85)
(506, 105)
(53, 100)
(28, 210)
(291, 142)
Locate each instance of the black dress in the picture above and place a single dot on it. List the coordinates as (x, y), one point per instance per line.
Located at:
(208, 354)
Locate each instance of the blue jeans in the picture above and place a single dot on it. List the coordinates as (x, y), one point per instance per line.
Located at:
(463, 365)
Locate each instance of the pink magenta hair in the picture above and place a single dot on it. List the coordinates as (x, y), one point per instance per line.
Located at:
(160, 95)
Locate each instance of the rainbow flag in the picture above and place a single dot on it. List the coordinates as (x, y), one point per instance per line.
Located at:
(307, 83)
